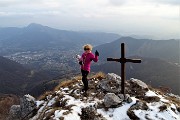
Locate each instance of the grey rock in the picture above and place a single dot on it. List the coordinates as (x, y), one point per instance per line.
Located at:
(178, 109)
(129, 100)
(126, 98)
(90, 113)
(27, 104)
(139, 83)
(112, 76)
(111, 84)
(15, 112)
(121, 96)
(110, 99)
(139, 105)
(25, 109)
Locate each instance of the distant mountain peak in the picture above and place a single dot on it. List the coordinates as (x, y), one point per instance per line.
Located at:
(35, 26)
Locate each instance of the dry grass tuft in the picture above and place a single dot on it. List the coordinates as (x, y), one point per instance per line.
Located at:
(151, 99)
(6, 102)
(61, 118)
(66, 113)
(163, 91)
(62, 104)
(49, 115)
(66, 83)
(174, 99)
(99, 75)
(44, 96)
(69, 107)
(79, 77)
(76, 79)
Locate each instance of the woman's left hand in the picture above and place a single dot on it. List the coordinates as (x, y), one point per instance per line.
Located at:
(97, 53)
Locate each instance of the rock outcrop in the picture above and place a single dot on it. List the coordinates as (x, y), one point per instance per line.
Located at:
(25, 110)
(15, 112)
(103, 101)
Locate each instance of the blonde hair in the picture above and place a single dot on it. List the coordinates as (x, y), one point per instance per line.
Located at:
(88, 46)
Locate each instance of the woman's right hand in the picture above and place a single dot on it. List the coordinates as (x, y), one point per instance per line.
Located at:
(80, 62)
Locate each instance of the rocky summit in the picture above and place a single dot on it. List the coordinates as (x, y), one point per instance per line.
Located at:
(103, 101)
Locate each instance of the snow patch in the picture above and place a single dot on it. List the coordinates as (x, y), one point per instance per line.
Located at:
(119, 113)
(38, 103)
(150, 93)
(58, 114)
(154, 112)
(64, 89)
(51, 102)
(29, 97)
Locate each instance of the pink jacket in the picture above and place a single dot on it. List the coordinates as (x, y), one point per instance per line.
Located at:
(86, 58)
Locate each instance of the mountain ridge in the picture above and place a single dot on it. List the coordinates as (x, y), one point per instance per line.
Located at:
(16, 79)
(153, 71)
(102, 101)
(164, 49)
(36, 36)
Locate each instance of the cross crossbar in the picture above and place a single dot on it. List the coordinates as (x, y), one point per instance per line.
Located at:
(124, 60)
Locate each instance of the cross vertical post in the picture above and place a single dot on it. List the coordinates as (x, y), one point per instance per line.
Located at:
(123, 60)
(122, 69)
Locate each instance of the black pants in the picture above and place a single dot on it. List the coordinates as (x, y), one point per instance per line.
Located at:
(84, 79)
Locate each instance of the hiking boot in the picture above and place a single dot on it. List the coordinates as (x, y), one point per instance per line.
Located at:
(84, 90)
(85, 94)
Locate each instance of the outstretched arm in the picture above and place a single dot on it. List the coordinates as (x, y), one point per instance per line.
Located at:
(94, 58)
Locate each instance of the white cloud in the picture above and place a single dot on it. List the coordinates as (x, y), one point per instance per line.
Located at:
(124, 2)
(118, 2)
(137, 16)
(6, 14)
(171, 2)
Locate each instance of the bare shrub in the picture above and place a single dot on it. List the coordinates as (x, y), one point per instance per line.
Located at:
(6, 102)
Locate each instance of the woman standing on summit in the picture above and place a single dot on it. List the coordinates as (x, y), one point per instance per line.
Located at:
(85, 62)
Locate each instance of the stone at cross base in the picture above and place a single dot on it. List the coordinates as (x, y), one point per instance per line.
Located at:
(112, 84)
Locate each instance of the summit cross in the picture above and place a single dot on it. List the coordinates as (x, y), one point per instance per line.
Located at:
(123, 60)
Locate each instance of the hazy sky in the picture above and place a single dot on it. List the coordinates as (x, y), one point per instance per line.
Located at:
(160, 18)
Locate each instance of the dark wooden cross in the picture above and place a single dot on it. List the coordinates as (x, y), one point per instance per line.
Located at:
(123, 60)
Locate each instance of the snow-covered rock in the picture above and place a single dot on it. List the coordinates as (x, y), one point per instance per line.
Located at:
(112, 76)
(139, 83)
(129, 100)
